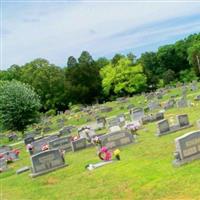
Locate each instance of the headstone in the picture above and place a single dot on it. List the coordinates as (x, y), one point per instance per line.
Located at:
(114, 128)
(101, 122)
(163, 126)
(3, 164)
(79, 144)
(116, 139)
(121, 118)
(106, 109)
(198, 124)
(114, 121)
(137, 114)
(5, 148)
(63, 143)
(183, 120)
(86, 132)
(10, 155)
(187, 148)
(12, 137)
(46, 129)
(130, 106)
(153, 105)
(66, 130)
(182, 123)
(169, 104)
(46, 161)
(197, 98)
(37, 144)
(29, 139)
(182, 103)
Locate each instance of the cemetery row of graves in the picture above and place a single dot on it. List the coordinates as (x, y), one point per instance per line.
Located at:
(166, 121)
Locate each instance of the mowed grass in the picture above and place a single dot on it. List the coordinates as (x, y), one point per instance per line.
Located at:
(145, 172)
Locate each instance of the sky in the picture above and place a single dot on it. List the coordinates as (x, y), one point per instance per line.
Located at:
(55, 30)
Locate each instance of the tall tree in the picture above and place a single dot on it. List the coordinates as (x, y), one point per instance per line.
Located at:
(194, 56)
(19, 105)
(122, 78)
(71, 62)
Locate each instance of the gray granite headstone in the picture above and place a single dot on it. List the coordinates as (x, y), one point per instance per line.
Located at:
(187, 148)
(63, 143)
(3, 164)
(29, 140)
(137, 114)
(163, 126)
(46, 161)
(79, 144)
(182, 103)
(37, 144)
(114, 121)
(116, 139)
(101, 122)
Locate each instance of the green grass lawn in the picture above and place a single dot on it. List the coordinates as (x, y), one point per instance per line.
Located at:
(145, 172)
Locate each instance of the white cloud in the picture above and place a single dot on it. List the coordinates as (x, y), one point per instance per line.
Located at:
(56, 31)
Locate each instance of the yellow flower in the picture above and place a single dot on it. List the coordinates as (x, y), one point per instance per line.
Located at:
(116, 152)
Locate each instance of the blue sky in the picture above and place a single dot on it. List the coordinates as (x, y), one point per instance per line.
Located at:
(57, 30)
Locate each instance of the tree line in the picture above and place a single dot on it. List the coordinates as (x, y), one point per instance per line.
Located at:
(85, 80)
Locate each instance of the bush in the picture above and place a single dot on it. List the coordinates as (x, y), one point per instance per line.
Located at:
(19, 105)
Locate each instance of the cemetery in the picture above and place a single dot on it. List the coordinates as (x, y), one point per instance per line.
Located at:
(72, 150)
(99, 100)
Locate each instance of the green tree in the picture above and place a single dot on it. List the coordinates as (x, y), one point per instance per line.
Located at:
(132, 58)
(19, 105)
(169, 76)
(194, 56)
(85, 58)
(48, 81)
(151, 68)
(188, 75)
(122, 79)
(71, 62)
(83, 82)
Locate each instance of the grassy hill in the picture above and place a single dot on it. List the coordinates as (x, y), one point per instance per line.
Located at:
(145, 171)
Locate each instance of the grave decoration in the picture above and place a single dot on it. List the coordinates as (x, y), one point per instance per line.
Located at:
(164, 128)
(133, 127)
(107, 156)
(187, 148)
